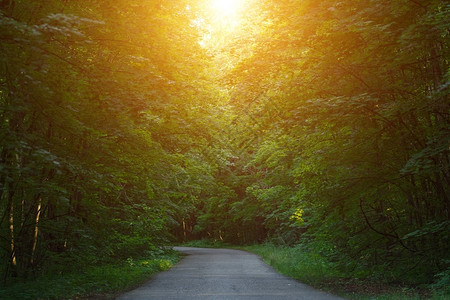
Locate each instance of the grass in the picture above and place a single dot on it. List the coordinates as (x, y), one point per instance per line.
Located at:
(307, 267)
(206, 243)
(95, 282)
(315, 270)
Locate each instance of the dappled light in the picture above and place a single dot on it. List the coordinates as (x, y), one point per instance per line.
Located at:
(316, 126)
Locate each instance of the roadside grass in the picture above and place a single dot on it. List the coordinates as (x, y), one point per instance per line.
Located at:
(94, 282)
(307, 267)
(315, 270)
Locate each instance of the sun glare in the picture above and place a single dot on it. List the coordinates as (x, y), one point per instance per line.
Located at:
(226, 8)
(222, 20)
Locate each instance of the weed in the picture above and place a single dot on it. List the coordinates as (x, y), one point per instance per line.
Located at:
(311, 268)
(103, 281)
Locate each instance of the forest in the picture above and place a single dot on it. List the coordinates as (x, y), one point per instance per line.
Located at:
(126, 126)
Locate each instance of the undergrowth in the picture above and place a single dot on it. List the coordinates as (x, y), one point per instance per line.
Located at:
(206, 243)
(105, 281)
(316, 270)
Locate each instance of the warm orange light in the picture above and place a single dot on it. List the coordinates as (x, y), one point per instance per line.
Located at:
(223, 20)
(226, 8)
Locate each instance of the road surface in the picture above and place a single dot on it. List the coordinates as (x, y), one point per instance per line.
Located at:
(219, 274)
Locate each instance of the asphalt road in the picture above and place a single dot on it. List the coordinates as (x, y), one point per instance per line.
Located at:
(223, 274)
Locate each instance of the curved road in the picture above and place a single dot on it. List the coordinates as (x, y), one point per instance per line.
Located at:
(223, 274)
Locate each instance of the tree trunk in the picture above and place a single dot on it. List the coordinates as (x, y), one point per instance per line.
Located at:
(36, 231)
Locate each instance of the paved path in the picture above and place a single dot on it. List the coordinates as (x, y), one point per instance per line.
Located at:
(215, 274)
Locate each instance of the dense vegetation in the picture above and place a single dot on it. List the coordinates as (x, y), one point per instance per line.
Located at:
(105, 281)
(94, 130)
(129, 124)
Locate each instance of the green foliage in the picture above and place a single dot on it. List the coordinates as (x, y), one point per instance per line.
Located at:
(206, 243)
(343, 115)
(325, 121)
(304, 262)
(94, 139)
(443, 281)
(298, 262)
(93, 281)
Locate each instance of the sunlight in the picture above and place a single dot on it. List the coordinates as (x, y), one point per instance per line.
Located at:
(226, 8)
(223, 19)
